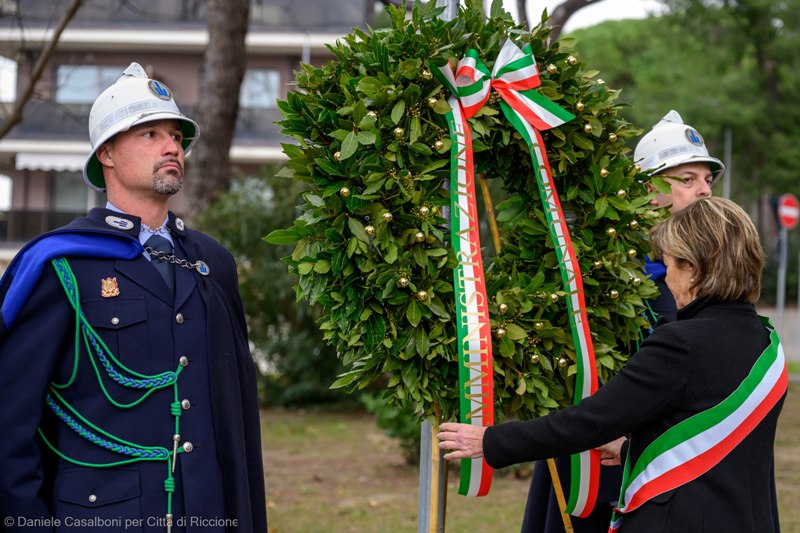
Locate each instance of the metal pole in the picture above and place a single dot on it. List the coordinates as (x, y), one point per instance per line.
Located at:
(781, 297)
(726, 179)
(431, 476)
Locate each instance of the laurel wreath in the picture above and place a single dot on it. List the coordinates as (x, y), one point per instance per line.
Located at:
(372, 246)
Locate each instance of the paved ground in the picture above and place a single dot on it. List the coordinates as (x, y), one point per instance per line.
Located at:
(788, 329)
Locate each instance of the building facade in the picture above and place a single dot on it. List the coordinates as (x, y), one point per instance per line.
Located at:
(43, 156)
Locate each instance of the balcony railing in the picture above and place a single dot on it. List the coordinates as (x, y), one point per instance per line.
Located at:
(47, 120)
(18, 226)
(275, 15)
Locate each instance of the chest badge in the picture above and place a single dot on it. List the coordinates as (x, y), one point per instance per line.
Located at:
(109, 288)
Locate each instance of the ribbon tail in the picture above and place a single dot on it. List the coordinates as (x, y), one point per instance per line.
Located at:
(585, 466)
(476, 388)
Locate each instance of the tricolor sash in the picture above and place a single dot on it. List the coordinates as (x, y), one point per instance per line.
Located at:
(514, 77)
(691, 448)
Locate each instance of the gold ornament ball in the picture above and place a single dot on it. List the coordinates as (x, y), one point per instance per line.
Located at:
(572, 60)
(387, 216)
(597, 264)
(612, 137)
(432, 101)
(633, 224)
(372, 114)
(399, 132)
(424, 211)
(636, 282)
(611, 232)
(419, 236)
(552, 69)
(621, 194)
(631, 253)
(370, 230)
(422, 295)
(603, 172)
(538, 326)
(427, 74)
(580, 106)
(503, 308)
(501, 332)
(403, 282)
(637, 168)
(535, 358)
(337, 156)
(613, 294)
(344, 192)
(587, 128)
(554, 298)
(438, 144)
(562, 362)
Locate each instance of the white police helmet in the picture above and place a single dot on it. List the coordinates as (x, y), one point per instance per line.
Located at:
(671, 143)
(133, 99)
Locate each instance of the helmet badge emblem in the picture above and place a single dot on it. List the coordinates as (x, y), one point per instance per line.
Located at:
(694, 137)
(159, 89)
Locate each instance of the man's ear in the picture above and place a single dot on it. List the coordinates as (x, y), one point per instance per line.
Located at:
(104, 155)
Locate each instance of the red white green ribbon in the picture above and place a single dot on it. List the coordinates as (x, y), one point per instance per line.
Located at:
(514, 77)
(690, 449)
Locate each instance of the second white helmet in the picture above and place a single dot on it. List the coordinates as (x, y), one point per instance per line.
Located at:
(133, 99)
(671, 143)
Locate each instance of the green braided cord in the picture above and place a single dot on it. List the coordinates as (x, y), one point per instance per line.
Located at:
(69, 283)
(83, 329)
(71, 380)
(134, 451)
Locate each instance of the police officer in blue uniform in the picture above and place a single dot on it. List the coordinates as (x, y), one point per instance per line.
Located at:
(127, 385)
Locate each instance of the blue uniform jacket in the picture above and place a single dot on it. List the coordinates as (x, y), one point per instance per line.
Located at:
(219, 483)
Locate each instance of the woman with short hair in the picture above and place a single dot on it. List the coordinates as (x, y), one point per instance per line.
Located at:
(700, 399)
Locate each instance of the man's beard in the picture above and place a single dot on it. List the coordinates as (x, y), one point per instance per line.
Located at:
(167, 182)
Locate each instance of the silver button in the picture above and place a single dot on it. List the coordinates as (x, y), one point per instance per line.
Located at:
(115, 321)
(185, 405)
(179, 318)
(92, 498)
(183, 361)
(188, 447)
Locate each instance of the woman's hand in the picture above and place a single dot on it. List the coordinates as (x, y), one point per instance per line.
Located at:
(465, 439)
(610, 453)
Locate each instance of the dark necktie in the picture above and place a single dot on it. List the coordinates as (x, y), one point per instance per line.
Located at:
(164, 267)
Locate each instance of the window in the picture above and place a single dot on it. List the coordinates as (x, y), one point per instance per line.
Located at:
(68, 193)
(81, 84)
(259, 89)
(8, 80)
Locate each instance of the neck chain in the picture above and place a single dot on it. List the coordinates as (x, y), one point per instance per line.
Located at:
(147, 229)
(198, 265)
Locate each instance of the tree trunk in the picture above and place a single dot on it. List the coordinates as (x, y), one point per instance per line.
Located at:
(563, 12)
(209, 169)
(522, 13)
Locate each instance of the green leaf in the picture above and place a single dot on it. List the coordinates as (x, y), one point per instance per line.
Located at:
(414, 313)
(357, 229)
(349, 145)
(398, 110)
(366, 137)
(282, 236)
(515, 332)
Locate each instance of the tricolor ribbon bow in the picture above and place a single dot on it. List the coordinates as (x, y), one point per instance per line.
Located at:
(514, 77)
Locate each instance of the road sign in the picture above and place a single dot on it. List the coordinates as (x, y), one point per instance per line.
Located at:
(788, 211)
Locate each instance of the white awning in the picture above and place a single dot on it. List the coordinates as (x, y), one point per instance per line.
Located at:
(50, 161)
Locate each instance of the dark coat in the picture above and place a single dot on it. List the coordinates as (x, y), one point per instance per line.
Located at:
(219, 483)
(683, 368)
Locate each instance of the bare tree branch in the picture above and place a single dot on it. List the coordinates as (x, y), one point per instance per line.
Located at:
(16, 113)
(563, 12)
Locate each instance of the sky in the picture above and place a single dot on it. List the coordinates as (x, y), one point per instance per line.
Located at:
(593, 14)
